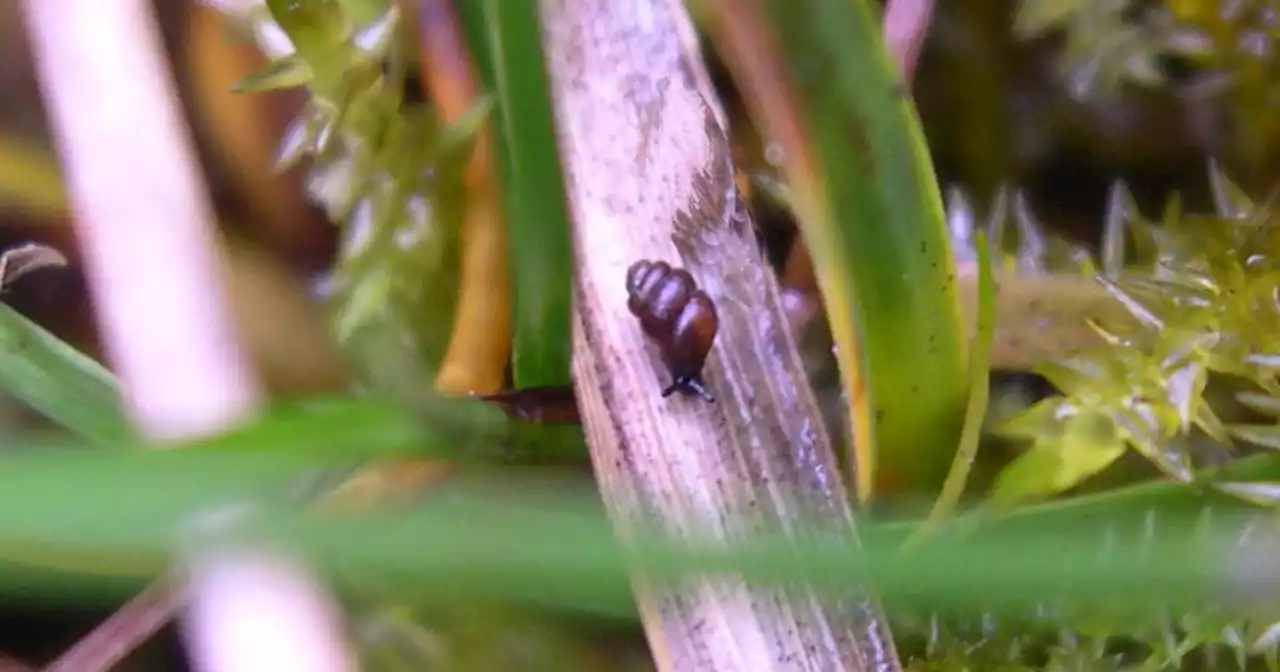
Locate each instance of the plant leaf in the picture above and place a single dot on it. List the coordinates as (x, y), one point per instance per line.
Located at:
(979, 393)
(1267, 436)
(871, 214)
(286, 72)
(58, 381)
(1050, 467)
(506, 41)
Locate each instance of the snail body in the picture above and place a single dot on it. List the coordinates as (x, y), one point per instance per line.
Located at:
(677, 316)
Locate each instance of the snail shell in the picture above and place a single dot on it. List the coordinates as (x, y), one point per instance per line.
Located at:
(680, 318)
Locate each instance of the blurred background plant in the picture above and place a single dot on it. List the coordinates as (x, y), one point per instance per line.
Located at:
(1060, 126)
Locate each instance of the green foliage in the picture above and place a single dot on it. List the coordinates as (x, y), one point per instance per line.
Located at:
(1067, 632)
(1103, 46)
(484, 637)
(49, 375)
(979, 394)
(1125, 558)
(1228, 47)
(1198, 294)
(389, 172)
(58, 381)
(1201, 294)
(875, 226)
(508, 538)
(503, 537)
(386, 169)
(506, 38)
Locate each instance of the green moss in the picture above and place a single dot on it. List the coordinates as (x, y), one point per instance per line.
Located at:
(1108, 45)
(386, 170)
(1203, 300)
(1203, 292)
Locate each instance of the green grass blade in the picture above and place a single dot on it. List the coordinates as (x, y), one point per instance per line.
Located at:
(513, 538)
(884, 231)
(506, 41)
(129, 504)
(58, 381)
(979, 394)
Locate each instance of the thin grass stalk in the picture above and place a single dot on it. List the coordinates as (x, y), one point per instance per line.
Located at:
(145, 223)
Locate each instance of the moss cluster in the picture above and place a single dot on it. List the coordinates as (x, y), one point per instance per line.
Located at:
(1203, 48)
(385, 169)
(1202, 294)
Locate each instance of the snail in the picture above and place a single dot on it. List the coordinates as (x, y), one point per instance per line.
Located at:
(680, 318)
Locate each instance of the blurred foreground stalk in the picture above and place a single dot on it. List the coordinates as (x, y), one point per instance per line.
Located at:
(146, 227)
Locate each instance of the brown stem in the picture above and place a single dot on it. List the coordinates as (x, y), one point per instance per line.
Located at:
(115, 638)
(650, 177)
(476, 359)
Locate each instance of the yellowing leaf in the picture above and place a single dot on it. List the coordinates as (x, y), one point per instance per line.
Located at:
(1054, 464)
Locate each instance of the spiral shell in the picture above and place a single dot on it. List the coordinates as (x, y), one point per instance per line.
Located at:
(677, 316)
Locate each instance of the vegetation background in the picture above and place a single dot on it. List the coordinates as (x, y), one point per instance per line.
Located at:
(1134, 141)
